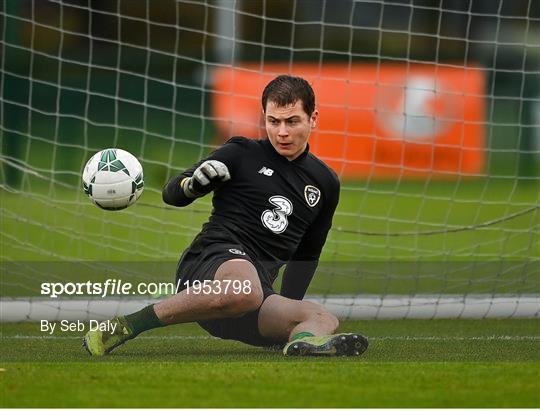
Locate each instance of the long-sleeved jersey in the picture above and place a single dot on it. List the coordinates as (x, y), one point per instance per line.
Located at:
(279, 210)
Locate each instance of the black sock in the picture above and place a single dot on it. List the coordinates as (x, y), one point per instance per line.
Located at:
(145, 319)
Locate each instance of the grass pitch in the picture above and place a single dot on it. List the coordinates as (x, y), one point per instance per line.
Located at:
(440, 363)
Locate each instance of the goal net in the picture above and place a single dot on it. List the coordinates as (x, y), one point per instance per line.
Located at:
(429, 114)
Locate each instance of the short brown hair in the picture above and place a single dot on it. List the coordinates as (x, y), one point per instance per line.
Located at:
(286, 90)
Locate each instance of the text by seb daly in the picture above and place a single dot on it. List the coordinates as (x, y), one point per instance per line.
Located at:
(50, 327)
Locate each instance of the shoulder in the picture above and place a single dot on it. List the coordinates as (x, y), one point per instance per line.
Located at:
(232, 148)
(240, 141)
(324, 171)
(239, 144)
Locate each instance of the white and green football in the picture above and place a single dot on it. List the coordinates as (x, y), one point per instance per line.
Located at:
(113, 179)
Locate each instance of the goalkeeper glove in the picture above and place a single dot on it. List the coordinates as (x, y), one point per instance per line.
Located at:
(205, 178)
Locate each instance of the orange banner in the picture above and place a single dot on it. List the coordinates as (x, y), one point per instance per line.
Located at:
(375, 120)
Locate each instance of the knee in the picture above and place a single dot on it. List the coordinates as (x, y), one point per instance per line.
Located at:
(333, 322)
(319, 314)
(329, 319)
(235, 305)
(234, 302)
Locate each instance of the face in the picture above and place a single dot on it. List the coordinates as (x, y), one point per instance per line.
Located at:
(288, 128)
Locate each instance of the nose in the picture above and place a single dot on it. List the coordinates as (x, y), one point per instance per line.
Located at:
(282, 131)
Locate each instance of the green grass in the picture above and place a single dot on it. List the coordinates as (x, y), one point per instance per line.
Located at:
(452, 363)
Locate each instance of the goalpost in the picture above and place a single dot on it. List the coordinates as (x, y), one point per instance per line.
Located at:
(430, 115)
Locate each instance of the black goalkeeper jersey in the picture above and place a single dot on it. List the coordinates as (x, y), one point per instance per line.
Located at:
(279, 210)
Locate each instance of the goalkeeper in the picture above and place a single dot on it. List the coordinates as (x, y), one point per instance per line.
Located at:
(273, 203)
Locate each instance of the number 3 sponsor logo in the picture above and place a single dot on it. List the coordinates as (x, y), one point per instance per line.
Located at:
(276, 220)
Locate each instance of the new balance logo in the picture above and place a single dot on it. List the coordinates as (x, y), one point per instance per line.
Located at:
(235, 251)
(266, 171)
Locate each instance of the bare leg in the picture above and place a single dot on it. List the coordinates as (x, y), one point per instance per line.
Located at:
(280, 318)
(187, 306)
(218, 302)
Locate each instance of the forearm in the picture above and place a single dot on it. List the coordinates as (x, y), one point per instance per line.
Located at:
(174, 194)
(297, 277)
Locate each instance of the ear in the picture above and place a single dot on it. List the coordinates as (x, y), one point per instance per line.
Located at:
(314, 117)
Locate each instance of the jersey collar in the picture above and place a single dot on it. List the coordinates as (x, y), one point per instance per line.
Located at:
(269, 147)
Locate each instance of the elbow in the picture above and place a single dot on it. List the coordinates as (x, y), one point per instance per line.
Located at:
(174, 196)
(168, 196)
(170, 199)
(165, 195)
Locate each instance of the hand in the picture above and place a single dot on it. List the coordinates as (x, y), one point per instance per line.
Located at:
(205, 178)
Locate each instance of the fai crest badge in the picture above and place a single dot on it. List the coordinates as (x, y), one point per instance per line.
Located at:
(312, 195)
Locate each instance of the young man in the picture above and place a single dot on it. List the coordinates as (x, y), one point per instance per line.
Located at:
(273, 205)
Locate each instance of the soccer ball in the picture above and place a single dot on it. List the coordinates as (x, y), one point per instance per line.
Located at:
(113, 179)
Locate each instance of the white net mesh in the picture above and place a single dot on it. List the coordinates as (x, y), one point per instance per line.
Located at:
(429, 115)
